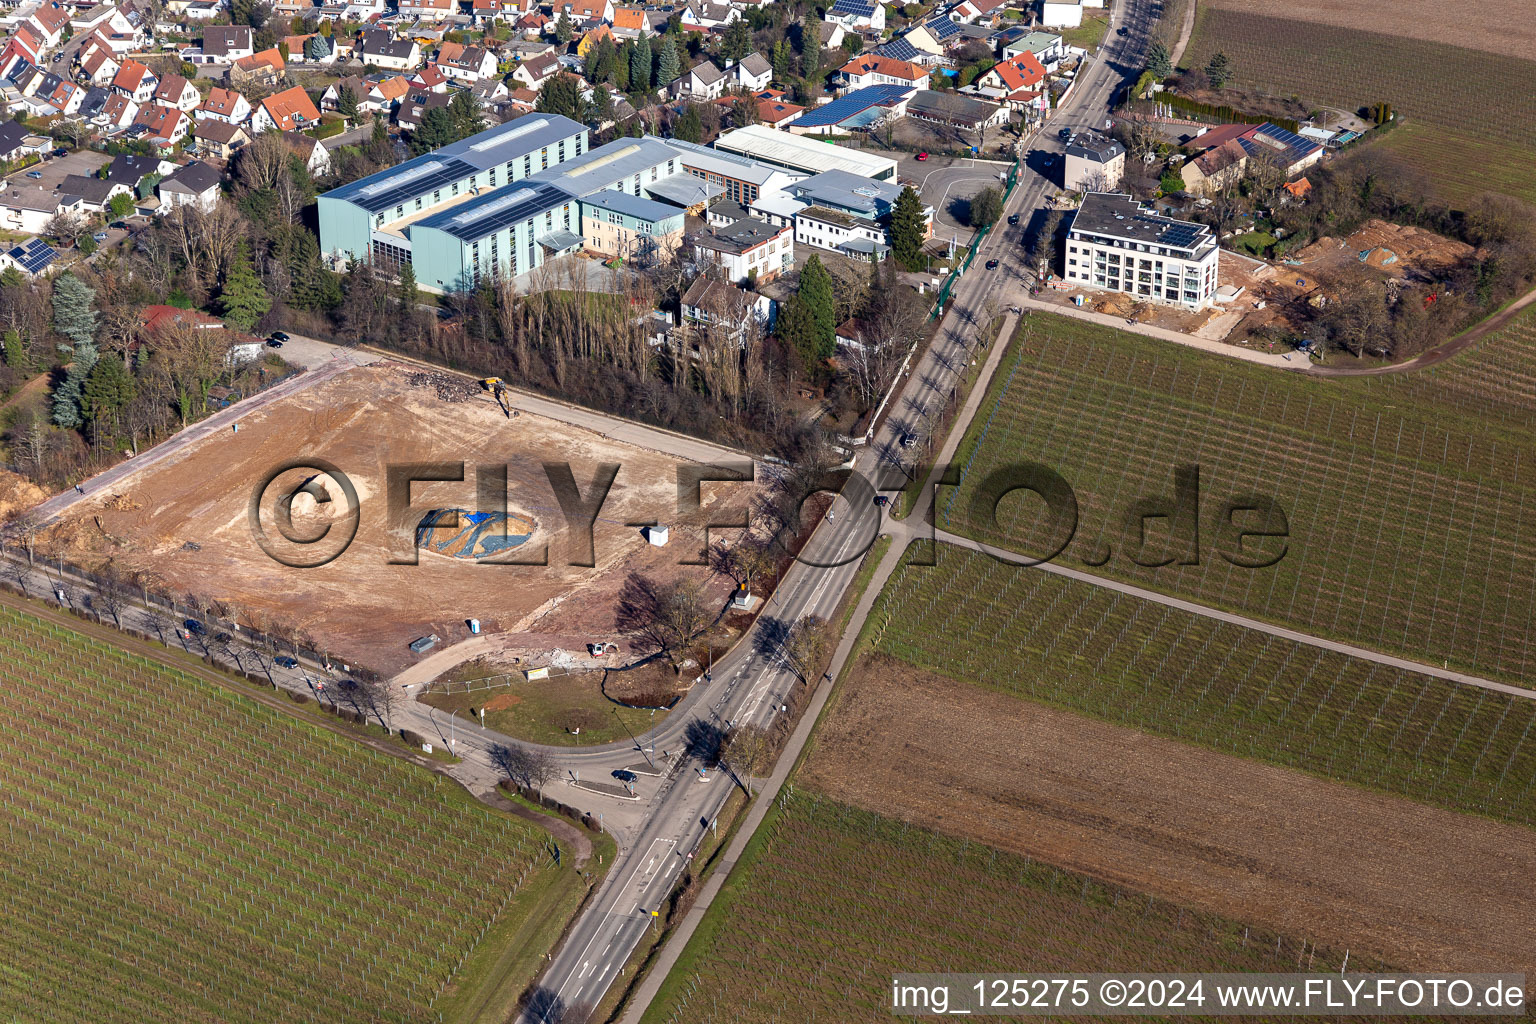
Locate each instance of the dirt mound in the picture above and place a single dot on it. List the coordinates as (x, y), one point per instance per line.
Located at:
(122, 503)
(502, 701)
(17, 492)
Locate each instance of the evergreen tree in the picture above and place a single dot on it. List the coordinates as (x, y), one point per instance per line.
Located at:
(562, 95)
(1219, 70)
(640, 66)
(346, 103)
(797, 328)
(465, 111)
(73, 316)
(16, 356)
(783, 59)
(408, 295)
(69, 395)
(689, 127)
(1159, 62)
(667, 65)
(106, 390)
(810, 45)
(243, 300)
(907, 230)
(816, 294)
(737, 42)
(564, 29)
(434, 132)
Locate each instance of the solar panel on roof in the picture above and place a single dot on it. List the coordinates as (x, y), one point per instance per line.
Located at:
(395, 181)
(941, 28)
(494, 206)
(858, 7)
(898, 49)
(34, 256)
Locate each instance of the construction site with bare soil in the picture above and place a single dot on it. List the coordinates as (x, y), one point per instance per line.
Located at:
(222, 522)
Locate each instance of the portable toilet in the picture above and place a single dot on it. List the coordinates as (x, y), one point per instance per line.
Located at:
(474, 626)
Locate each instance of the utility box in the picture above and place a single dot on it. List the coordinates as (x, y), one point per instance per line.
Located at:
(657, 535)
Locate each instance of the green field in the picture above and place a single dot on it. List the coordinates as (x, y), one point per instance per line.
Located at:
(1133, 662)
(174, 851)
(1443, 154)
(1480, 114)
(830, 901)
(1483, 93)
(545, 710)
(1408, 502)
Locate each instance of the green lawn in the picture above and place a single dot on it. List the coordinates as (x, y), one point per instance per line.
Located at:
(1407, 499)
(828, 902)
(548, 711)
(1089, 34)
(1254, 242)
(176, 851)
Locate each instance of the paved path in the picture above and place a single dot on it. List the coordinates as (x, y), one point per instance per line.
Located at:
(1185, 31)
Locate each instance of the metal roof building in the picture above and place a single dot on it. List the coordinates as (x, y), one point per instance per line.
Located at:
(797, 153)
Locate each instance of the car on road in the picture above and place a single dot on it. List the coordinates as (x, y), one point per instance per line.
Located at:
(909, 440)
(1065, 135)
(100, 236)
(991, 264)
(623, 775)
(921, 157)
(1123, 31)
(284, 661)
(222, 638)
(881, 501)
(196, 628)
(34, 174)
(56, 58)
(1014, 220)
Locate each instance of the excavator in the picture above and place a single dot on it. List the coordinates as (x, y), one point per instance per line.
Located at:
(498, 387)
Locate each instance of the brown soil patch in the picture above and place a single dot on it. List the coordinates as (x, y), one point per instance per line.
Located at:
(184, 522)
(502, 701)
(1495, 26)
(1418, 887)
(17, 492)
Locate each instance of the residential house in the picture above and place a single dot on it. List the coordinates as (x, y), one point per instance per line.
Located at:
(27, 209)
(108, 21)
(704, 81)
(864, 71)
(62, 95)
(714, 15)
(260, 69)
(415, 106)
(136, 81)
(32, 257)
(224, 105)
(724, 311)
(176, 91)
(220, 139)
(630, 22)
(535, 71)
(594, 38)
(426, 10)
(1048, 48)
(316, 158)
(1292, 153)
(468, 64)
(100, 65)
(429, 79)
(132, 169)
(489, 92)
(1017, 83)
(532, 24)
(587, 10)
(228, 43)
(747, 249)
(164, 126)
(944, 107)
(1215, 169)
(1094, 163)
(200, 11)
(859, 109)
(832, 35)
(49, 22)
(95, 193)
(22, 48)
(284, 111)
(117, 113)
(974, 12)
(777, 113)
(752, 72)
(196, 184)
(13, 141)
(380, 48)
(91, 105)
(858, 14)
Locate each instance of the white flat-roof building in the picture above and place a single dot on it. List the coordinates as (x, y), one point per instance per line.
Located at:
(1116, 244)
(805, 155)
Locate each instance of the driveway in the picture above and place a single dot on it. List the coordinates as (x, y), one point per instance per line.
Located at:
(55, 169)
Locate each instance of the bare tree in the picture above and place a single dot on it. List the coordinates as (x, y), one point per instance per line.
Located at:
(666, 617)
(528, 767)
(113, 592)
(747, 750)
(24, 525)
(806, 644)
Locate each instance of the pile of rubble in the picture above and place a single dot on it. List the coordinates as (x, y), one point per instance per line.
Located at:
(449, 388)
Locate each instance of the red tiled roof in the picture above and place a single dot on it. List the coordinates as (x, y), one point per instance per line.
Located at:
(291, 108)
(876, 64)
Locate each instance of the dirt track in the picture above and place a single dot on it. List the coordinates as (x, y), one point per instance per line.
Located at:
(184, 520)
(1416, 886)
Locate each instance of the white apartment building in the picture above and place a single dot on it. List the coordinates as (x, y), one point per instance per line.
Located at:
(1117, 245)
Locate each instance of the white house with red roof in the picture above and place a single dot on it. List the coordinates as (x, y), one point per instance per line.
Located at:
(118, 112)
(167, 125)
(1017, 83)
(977, 11)
(176, 91)
(429, 79)
(286, 111)
(135, 81)
(49, 22)
(862, 72)
(466, 64)
(224, 105)
(100, 64)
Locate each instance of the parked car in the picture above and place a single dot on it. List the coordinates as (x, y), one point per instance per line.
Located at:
(1014, 220)
(991, 264)
(274, 343)
(222, 638)
(909, 440)
(195, 627)
(34, 174)
(284, 661)
(881, 501)
(279, 336)
(1065, 135)
(100, 236)
(61, 151)
(921, 157)
(624, 775)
